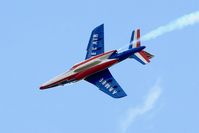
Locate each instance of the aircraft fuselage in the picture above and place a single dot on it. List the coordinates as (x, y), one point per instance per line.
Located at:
(90, 66)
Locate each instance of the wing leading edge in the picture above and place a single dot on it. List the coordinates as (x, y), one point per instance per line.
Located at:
(96, 42)
(106, 83)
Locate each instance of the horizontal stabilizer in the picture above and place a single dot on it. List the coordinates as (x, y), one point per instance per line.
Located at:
(143, 57)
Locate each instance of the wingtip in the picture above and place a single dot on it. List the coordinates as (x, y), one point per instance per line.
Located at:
(101, 25)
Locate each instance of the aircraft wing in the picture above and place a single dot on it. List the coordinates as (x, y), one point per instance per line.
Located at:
(106, 83)
(96, 42)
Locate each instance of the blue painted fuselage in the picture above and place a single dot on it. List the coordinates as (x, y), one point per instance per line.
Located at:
(126, 54)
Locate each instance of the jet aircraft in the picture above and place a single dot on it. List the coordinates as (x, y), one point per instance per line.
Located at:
(94, 69)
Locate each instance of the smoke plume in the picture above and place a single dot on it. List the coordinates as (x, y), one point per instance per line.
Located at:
(180, 23)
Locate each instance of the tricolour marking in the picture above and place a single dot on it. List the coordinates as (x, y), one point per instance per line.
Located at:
(136, 37)
(141, 57)
(95, 69)
(144, 56)
(81, 63)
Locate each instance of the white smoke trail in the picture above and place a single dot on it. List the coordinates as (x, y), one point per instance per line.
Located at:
(180, 23)
(134, 112)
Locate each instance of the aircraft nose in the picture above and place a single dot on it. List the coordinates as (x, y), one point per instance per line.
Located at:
(42, 87)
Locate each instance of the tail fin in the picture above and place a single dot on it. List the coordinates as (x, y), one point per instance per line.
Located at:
(142, 56)
(135, 39)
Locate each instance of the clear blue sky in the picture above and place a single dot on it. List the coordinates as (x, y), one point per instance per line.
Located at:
(42, 38)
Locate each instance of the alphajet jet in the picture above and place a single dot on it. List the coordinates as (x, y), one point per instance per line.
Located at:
(94, 69)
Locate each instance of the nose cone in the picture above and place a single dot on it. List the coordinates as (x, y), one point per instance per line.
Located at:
(42, 87)
(46, 85)
(51, 83)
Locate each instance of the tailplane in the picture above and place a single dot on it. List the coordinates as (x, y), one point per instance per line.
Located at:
(142, 56)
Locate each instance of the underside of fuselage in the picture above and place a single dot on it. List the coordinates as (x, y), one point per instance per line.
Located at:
(89, 67)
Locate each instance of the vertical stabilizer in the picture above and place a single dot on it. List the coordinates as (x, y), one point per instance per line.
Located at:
(135, 39)
(142, 56)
